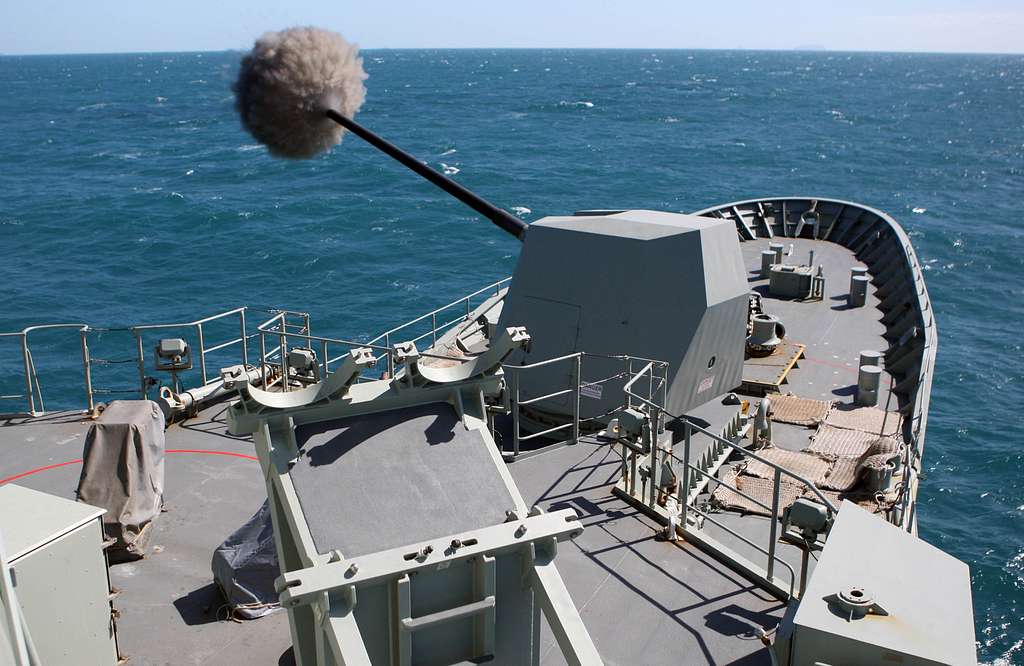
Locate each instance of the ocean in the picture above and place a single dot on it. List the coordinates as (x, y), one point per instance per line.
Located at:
(129, 194)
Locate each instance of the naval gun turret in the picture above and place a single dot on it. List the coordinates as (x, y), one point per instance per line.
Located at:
(642, 283)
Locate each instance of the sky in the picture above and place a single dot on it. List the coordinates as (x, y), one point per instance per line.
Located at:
(109, 26)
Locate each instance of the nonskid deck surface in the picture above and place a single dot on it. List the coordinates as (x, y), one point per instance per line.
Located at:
(170, 610)
(834, 335)
(644, 600)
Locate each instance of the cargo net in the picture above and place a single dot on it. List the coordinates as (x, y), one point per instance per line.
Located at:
(799, 411)
(864, 419)
(837, 462)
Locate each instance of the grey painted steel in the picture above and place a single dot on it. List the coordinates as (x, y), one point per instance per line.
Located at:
(858, 290)
(60, 572)
(410, 462)
(669, 286)
(767, 259)
(858, 271)
(868, 381)
(878, 241)
(909, 354)
(408, 475)
(925, 594)
(870, 357)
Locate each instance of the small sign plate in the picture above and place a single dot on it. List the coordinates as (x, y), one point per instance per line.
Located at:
(591, 391)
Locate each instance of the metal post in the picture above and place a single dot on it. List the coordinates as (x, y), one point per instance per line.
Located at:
(326, 357)
(202, 354)
(684, 501)
(305, 323)
(515, 415)
(576, 400)
(775, 523)
(655, 474)
(391, 360)
(87, 367)
(283, 350)
(245, 342)
(263, 357)
(629, 376)
(142, 364)
(804, 557)
(28, 375)
(433, 328)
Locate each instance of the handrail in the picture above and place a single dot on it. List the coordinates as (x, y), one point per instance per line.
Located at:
(627, 389)
(33, 391)
(683, 493)
(575, 389)
(496, 286)
(29, 367)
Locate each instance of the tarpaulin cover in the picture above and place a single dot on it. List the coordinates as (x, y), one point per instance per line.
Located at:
(245, 567)
(123, 471)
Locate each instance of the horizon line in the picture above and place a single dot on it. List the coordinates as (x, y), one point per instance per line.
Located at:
(813, 49)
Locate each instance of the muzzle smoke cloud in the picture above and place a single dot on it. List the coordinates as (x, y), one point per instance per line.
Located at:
(287, 83)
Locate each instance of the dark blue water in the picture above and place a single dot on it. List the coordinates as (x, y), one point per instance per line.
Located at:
(129, 194)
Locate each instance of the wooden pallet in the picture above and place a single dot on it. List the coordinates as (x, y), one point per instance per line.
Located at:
(767, 374)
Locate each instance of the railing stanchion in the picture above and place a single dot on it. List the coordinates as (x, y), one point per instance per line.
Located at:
(773, 530)
(245, 341)
(263, 357)
(28, 375)
(87, 367)
(433, 328)
(576, 400)
(325, 356)
(515, 415)
(142, 364)
(391, 359)
(202, 354)
(684, 501)
(283, 351)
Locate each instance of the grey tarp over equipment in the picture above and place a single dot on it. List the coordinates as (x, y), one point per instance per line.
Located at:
(123, 472)
(245, 567)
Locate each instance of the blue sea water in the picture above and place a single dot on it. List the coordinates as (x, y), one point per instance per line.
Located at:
(129, 194)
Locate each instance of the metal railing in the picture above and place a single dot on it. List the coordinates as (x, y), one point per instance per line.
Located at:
(198, 330)
(463, 307)
(277, 357)
(576, 388)
(518, 403)
(689, 469)
(33, 390)
(283, 324)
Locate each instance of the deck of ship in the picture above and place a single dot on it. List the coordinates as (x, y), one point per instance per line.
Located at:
(644, 600)
(681, 605)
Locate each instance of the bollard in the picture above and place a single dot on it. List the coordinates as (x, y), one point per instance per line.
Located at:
(868, 379)
(870, 357)
(858, 270)
(777, 249)
(767, 259)
(858, 291)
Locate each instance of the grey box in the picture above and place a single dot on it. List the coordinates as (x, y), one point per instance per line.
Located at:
(924, 597)
(55, 550)
(789, 281)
